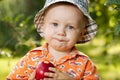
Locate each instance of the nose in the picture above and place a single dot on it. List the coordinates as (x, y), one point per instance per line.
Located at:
(61, 31)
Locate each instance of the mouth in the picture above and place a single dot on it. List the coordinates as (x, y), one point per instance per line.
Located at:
(61, 40)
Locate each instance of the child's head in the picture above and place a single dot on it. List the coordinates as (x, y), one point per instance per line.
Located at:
(66, 15)
(62, 25)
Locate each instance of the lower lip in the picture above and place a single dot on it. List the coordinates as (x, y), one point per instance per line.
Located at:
(60, 40)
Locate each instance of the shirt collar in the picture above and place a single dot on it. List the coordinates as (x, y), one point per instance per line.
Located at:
(71, 55)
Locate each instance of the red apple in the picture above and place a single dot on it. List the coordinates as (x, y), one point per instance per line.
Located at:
(42, 68)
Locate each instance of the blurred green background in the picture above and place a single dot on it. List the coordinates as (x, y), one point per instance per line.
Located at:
(18, 35)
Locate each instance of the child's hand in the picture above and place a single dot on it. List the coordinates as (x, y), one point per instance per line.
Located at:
(57, 75)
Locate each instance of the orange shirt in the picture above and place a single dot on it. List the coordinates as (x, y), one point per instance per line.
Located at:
(76, 64)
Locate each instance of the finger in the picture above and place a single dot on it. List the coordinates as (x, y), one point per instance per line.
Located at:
(52, 69)
(49, 74)
(50, 79)
(47, 79)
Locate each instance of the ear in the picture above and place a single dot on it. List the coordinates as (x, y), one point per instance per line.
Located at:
(41, 31)
(41, 34)
(82, 32)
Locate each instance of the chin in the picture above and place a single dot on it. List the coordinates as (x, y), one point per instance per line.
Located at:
(62, 48)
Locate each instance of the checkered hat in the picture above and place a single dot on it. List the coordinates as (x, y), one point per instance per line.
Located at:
(90, 29)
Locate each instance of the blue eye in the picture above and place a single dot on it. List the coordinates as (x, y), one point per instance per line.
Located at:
(70, 27)
(55, 24)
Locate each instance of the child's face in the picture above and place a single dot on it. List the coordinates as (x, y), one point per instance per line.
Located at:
(61, 27)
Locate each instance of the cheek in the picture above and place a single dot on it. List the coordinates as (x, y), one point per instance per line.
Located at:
(73, 38)
(74, 34)
(49, 29)
(48, 33)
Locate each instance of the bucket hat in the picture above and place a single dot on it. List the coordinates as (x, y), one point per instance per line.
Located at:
(90, 29)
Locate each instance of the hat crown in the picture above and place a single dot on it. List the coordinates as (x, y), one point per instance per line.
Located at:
(78, 3)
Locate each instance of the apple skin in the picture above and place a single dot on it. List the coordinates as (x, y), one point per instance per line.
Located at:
(42, 68)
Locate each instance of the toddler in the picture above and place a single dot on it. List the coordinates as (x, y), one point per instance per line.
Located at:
(62, 23)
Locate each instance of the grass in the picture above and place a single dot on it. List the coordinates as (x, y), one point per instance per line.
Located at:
(109, 72)
(6, 65)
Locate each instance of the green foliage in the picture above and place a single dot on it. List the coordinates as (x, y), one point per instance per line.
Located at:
(117, 29)
(17, 32)
(8, 7)
(116, 6)
(111, 2)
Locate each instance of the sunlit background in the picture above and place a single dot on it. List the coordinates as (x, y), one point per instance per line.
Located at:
(18, 35)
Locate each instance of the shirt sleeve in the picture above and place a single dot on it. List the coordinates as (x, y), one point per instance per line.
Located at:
(90, 72)
(20, 70)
